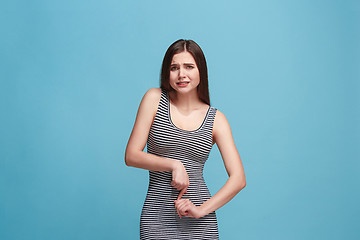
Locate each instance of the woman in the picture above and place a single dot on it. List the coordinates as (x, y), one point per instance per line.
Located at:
(180, 127)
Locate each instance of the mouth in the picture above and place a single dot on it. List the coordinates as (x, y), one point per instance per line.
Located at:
(182, 84)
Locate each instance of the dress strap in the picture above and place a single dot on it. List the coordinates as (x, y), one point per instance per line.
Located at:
(211, 117)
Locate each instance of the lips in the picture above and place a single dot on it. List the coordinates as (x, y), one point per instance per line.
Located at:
(182, 83)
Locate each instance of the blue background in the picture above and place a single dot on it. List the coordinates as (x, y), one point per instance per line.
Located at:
(284, 73)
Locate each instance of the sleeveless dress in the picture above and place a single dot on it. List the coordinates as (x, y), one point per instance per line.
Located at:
(159, 219)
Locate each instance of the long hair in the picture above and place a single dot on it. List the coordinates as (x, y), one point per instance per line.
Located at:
(190, 46)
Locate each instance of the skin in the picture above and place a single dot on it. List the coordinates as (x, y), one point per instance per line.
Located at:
(187, 112)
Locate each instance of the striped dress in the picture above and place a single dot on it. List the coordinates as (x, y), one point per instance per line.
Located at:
(159, 219)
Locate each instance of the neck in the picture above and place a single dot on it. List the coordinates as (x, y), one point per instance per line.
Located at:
(184, 101)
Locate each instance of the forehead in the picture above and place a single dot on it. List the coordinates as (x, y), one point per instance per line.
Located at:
(183, 57)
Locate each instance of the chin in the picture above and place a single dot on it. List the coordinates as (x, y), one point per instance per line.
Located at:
(185, 90)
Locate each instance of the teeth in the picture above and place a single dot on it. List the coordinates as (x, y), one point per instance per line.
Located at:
(183, 83)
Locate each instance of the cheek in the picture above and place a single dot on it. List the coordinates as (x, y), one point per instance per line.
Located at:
(172, 77)
(196, 77)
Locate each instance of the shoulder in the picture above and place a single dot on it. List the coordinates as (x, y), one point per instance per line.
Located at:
(149, 103)
(151, 97)
(221, 124)
(219, 118)
(153, 94)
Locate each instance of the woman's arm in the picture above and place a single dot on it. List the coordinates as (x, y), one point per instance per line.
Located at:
(232, 161)
(223, 137)
(134, 155)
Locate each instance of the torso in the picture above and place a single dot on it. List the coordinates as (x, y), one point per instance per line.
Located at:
(159, 219)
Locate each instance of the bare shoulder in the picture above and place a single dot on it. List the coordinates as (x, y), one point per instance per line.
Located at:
(151, 98)
(221, 125)
(153, 94)
(149, 103)
(220, 119)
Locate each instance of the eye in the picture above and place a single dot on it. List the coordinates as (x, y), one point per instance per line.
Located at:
(173, 68)
(189, 67)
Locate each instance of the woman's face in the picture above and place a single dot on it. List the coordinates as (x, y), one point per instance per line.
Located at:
(184, 73)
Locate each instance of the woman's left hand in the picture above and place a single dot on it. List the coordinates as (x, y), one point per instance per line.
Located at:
(185, 207)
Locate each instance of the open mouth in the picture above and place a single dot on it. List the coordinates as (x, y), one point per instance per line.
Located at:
(182, 83)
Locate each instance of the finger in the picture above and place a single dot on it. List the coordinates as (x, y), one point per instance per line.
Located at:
(179, 213)
(181, 193)
(180, 208)
(184, 209)
(177, 210)
(183, 206)
(178, 204)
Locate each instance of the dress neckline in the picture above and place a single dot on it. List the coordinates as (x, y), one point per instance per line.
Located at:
(169, 116)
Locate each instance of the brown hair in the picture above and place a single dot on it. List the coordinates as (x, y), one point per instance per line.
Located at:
(190, 46)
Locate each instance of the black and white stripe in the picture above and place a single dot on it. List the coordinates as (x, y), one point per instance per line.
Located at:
(159, 219)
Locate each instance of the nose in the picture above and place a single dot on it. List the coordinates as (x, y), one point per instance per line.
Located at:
(181, 72)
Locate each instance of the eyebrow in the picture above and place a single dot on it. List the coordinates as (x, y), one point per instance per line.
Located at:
(184, 64)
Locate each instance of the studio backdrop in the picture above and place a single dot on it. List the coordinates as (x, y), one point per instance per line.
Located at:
(284, 73)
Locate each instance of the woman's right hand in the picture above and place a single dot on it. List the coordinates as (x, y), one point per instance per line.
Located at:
(180, 178)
